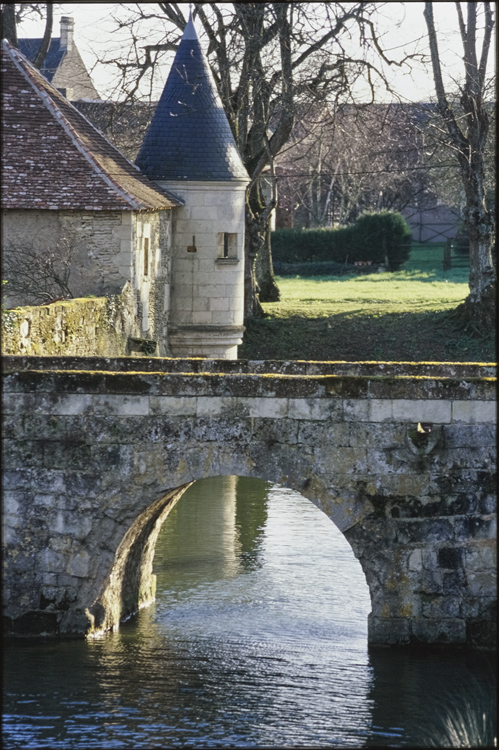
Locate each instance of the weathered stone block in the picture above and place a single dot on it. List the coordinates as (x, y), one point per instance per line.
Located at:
(341, 460)
(424, 530)
(482, 583)
(313, 433)
(271, 431)
(70, 404)
(431, 579)
(415, 561)
(51, 561)
(120, 405)
(441, 607)
(438, 412)
(48, 481)
(380, 410)
(438, 631)
(463, 435)
(72, 456)
(173, 405)
(271, 408)
(22, 454)
(115, 458)
(300, 408)
(79, 565)
(474, 412)
(72, 524)
(388, 630)
(474, 527)
(480, 556)
(454, 583)
(356, 410)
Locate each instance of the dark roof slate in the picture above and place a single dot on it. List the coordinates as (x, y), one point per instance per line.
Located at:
(54, 158)
(189, 137)
(30, 47)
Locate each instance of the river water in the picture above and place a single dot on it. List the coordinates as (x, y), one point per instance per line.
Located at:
(257, 638)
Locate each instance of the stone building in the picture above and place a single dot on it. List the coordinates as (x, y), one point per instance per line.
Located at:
(63, 65)
(170, 228)
(63, 180)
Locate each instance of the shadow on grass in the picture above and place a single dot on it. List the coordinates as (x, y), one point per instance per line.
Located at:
(419, 336)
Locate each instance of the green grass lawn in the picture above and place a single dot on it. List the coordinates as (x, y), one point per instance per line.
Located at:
(401, 316)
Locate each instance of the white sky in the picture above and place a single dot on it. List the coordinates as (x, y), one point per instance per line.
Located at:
(403, 24)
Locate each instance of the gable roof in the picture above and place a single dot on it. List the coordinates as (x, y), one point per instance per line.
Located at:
(189, 137)
(54, 158)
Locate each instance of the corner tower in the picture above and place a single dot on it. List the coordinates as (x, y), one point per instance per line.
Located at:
(189, 149)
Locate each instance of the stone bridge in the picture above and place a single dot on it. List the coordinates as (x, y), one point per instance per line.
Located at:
(400, 456)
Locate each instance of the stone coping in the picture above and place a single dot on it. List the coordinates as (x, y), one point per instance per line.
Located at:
(253, 385)
(459, 370)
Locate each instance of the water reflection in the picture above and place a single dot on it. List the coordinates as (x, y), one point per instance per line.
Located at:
(258, 638)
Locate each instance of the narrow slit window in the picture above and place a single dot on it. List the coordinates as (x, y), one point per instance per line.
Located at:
(227, 245)
(146, 256)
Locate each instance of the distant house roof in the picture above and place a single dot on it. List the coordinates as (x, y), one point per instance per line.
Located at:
(63, 65)
(189, 137)
(55, 54)
(54, 158)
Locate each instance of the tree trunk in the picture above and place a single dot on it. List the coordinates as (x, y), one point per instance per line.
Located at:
(268, 289)
(47, 37)
(253, 241)
(467, 138)
(477, 313)
(9, 29)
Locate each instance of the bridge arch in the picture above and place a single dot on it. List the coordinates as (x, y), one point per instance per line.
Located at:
(126, 583)
(402, 463)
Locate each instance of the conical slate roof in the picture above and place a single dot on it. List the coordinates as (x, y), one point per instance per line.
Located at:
(189, 137)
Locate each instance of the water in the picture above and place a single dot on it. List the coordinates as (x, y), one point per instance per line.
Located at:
(258, 638)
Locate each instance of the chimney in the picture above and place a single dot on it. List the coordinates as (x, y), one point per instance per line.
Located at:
(67, 28)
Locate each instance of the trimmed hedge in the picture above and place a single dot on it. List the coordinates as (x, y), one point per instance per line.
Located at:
(374, 237)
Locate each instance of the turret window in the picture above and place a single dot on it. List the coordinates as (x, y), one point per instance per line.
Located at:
(227, 245)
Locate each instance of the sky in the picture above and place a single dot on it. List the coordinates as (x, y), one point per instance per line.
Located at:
(402, 24)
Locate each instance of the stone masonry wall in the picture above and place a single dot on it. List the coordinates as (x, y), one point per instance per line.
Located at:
(102, 241)
(78, 327)
(403, 464)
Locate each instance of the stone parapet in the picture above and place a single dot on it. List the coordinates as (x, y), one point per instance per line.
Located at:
(451, 370)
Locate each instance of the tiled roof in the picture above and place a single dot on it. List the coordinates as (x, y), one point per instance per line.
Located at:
(53, 158)
(53, 58)
(189, 137)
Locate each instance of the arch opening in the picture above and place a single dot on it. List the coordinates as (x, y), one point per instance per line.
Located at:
(225, 537)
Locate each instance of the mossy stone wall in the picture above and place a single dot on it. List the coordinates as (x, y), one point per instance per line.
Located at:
(82, 327)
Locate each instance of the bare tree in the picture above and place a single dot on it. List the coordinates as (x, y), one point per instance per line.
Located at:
(466, 139)
(12, 14)
(266, 58)
(37, 272)
(339, 163)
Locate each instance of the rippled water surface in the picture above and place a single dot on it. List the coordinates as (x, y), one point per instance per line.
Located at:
(258, 638)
